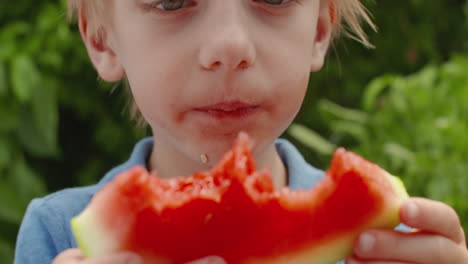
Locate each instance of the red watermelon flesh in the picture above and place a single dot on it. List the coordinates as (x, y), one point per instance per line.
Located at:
(233, 211)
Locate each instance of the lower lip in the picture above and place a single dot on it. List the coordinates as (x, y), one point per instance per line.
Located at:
(240, 113)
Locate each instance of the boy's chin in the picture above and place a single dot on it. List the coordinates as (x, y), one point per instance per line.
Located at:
(214, 148)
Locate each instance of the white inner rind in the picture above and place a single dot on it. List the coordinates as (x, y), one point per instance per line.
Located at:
(92, 238)
(398, 186)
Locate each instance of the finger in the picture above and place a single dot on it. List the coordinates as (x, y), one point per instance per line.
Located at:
(117, 258)
(209, 260)
(355, 260)
(407, 247)
(432, 216)
(69, 256)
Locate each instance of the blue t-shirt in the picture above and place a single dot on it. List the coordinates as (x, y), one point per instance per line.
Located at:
(45, 230)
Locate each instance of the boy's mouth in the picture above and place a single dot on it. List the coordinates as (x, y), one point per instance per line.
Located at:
(232, 109)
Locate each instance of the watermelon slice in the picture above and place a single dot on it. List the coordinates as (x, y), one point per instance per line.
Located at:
(233, 211)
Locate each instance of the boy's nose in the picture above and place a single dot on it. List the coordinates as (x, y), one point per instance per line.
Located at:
(228, 47)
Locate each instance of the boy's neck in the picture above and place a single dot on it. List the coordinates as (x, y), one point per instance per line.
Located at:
(170, 164)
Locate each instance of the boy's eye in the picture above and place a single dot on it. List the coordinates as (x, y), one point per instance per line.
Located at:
(169, 5)
(276, 2)
(173, 5)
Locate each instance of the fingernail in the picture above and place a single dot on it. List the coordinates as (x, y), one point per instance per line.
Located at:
(412, 210)
(366, 242)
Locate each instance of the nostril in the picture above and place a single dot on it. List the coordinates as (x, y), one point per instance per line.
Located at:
(243, 65)
(216, 65)
(213, 66)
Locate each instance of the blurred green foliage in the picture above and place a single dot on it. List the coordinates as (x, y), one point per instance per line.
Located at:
(46, 77)
(414, 126)
(60, 127)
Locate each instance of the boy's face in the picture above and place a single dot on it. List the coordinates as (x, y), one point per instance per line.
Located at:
(209, 69)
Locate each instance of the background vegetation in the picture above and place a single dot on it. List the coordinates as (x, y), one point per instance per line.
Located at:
(402, 105)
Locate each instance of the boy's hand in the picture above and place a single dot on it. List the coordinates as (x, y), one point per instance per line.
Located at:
(74, 256)
(438, 238)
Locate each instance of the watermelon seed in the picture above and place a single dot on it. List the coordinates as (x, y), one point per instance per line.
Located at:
(204, 158)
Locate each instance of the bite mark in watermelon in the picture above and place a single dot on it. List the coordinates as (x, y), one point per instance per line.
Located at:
(233, 211)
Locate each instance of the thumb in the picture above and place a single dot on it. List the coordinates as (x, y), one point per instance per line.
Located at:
(209, 260)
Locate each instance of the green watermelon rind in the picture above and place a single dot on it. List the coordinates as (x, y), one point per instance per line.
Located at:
(399, 186)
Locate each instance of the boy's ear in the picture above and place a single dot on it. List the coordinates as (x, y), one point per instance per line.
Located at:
(100, 52)
(323, 35)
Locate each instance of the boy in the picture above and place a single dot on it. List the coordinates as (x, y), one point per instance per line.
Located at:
(200, 71)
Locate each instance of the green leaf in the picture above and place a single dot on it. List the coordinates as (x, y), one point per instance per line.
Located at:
(25, 77)
(27, 183)
(398, 155)
(5, 151)
(3, 79)
(440, 188)
(466, 15)
(45, 113)
(8, 117)
(426, 78)
(13, 30)
(17, 188)
(353, 129)
(6, 251)
(31, 138)
(342, 113)
(11, 209)
(311, 139)
(397, 150)
(8, 39)
(398, 99)
(7, 50)
(374, 90)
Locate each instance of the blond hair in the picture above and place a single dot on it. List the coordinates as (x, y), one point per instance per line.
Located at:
(348, 17)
